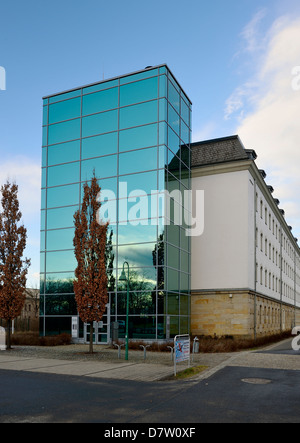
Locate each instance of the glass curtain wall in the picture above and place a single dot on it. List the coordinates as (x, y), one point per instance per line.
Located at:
(134, 132)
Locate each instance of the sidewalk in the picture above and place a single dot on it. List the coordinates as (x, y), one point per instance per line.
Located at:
(104, 364)
(74, 360)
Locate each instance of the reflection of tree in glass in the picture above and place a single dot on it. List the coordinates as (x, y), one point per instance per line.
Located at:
(59, 304)
(140, 287)
(158, 255)
(109, 262)
(59, 286)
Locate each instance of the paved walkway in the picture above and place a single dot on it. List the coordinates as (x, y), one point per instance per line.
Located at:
(71, 360)
(124, 371)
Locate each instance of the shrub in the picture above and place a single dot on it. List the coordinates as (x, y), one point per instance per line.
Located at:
(33, 339)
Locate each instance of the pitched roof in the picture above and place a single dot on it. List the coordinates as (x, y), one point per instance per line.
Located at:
(221, 150)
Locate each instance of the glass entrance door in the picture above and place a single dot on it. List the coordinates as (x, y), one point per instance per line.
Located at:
(101, 329)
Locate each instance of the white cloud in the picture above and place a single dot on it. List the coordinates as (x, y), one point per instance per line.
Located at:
(250, 34)
(27, 176)
(271, 126)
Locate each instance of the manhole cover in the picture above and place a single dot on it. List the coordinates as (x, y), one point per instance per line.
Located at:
(256, 381)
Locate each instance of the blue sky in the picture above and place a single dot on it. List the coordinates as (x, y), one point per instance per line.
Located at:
(233, 58)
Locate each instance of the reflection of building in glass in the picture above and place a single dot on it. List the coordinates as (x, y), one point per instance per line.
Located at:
(135, 130)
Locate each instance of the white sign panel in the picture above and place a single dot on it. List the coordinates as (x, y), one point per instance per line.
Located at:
(182, 346)
(2, 339)
(74, 327)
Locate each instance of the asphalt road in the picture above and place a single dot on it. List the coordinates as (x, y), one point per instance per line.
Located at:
(223, 398)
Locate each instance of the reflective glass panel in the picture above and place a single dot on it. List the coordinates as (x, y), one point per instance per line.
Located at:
(146, 181)
(138, 115)
(173, 143)
(60, 283)
(139, 92)
(184, 240)
(163, 133)
(163, 86)
(60, 239)
(185, 112)
(44, 135)
(61, 218)
(45, 115)
(184, 305)
(137, 255)
(100, 101)
(62, 132)
(185, 155)
(138, 76)
(61, 261)
(100, 145)
(137, 138)
(109, 188)
(64, 153)
(43, 199)
(138, 161)
(185, 133)
(44, 157)
(173, 256)
(42, 241)
(184, 282)
(172, 280)
(174, 97)
(103, 166)
(100, 123)
(173, 303)
(63, 174)
(136, 234)
(60, 305)
(65, 110)
(139, 210)
(163, 109)
(184, 325)
(100, 86)
(65, 96)
(173, 119)
(43, 220)
(63, 196)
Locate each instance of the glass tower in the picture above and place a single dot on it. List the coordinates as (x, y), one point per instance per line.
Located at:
(133, 132)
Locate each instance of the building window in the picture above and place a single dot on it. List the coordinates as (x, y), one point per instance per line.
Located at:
(266, 278)
(266, 247)
(266, 216)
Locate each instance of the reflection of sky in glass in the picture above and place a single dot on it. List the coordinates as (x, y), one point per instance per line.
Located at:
(138, 255)
(137, 234)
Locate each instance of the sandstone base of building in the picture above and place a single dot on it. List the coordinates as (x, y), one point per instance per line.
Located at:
(240, 314)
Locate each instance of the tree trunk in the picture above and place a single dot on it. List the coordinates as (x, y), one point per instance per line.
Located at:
(8, 340)
(91, 337)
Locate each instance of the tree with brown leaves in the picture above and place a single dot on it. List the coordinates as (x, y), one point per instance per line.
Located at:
(90, 285)
(13, 268)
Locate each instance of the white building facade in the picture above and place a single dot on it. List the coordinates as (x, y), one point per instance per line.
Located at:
(246, 265)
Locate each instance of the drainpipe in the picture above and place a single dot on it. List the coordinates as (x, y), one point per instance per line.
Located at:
(255, 266)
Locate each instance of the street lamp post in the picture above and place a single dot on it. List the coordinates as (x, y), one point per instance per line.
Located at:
(124, 278)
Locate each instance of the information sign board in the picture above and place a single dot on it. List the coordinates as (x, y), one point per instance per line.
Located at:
(182, 347)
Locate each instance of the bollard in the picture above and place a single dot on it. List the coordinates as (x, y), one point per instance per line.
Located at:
(172, 352)
(145, 350)
(195, 346)
(119, 349)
